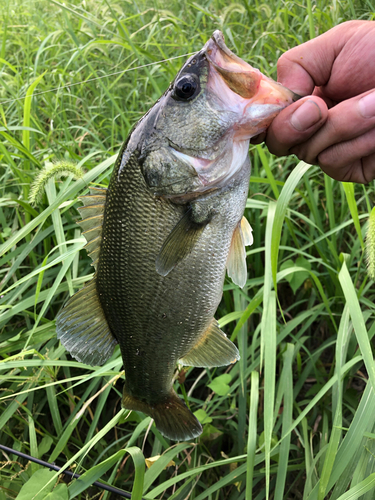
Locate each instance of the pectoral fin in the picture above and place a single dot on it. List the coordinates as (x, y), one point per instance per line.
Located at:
(178, 244)
(236, 263)
(212, 349)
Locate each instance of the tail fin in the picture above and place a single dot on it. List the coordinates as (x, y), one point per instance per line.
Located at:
(172, 417)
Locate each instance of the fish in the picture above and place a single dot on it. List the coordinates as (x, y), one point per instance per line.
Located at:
(167, 229)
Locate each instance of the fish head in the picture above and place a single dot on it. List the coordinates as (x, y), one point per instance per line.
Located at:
(196, 137)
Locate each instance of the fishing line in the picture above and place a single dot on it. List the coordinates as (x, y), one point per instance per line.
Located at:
(56, 89)
(73, 475)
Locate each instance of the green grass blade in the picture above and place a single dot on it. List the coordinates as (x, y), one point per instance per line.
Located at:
(154, 472)
(360, 489)
(281, 208)
(96, 472)
(358, 322)
(349, 193)
(269, 333)
(331, 453)
(252, 434)
(27, 111)
(71, 192)
(266, 166)
(287, 422)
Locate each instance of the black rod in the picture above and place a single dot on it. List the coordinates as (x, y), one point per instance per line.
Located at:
(73, 475)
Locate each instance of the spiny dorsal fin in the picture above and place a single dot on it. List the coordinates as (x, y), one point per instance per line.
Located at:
(91, 223)
(212, 349)
(96, 190)
(91, 211)
(82, 328)
(92, 214)
(178, 244)
(236, 263)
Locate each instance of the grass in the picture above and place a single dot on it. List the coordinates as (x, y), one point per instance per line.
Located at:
(295, 418)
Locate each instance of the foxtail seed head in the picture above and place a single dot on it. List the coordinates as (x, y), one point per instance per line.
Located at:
(54, 170)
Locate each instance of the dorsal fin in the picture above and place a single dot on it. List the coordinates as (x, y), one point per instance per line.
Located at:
(92, 220)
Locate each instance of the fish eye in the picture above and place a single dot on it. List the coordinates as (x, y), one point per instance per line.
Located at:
(185, 87)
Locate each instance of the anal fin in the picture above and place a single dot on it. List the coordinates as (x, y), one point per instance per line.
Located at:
(82, 328)
(212, 349)
(236, 263)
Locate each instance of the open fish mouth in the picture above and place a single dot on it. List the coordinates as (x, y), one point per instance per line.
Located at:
(242, 78)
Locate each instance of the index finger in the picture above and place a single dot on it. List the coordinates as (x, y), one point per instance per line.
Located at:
(309, 65)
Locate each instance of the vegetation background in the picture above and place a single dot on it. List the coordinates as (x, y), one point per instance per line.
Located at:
(294, 419)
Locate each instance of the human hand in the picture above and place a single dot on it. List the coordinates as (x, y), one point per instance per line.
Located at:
(335, 126)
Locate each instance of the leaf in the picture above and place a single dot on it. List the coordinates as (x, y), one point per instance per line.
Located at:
(220, 384)
(349, 192)
(203, 417)
(63, 196)
(155, 471)
(59, 493)
(281, 209)
(357, 491)
(150, 462)
(30, 490)
(210, 432)
(93, 474)
(45, 445)
(252, 432)
(359, 324)
(27, 111)
(297, 279)
(286, 265)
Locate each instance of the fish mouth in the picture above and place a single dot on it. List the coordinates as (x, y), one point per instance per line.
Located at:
(241, 78)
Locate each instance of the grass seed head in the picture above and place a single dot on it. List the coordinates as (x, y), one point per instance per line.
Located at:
(55, 170)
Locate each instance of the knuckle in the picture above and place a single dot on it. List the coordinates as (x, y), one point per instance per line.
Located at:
(303, 152)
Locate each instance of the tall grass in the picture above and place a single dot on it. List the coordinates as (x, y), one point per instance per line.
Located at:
(295, 418)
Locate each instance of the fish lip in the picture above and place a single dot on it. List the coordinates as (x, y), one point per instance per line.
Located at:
(217, 42)
(238, 75)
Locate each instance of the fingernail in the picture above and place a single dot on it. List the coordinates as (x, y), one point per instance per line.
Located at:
(366, 105)
(306, 116)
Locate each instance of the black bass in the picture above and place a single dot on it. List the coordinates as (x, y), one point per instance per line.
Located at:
(167, 228)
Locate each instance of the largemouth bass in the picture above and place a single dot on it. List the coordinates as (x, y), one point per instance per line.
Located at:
(164, 232)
